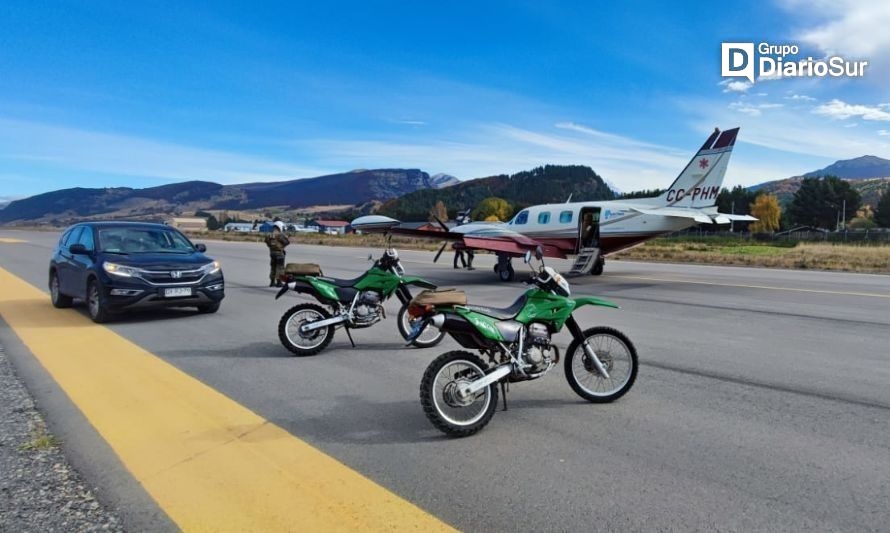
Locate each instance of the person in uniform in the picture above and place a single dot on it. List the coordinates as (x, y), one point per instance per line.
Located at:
(463, 217)
(277, 241)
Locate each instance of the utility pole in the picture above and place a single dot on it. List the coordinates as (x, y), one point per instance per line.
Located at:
(732, 222)
(844, 216)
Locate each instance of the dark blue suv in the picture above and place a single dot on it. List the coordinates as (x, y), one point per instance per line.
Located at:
(114, 266)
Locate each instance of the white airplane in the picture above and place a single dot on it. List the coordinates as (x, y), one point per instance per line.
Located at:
(593, 230)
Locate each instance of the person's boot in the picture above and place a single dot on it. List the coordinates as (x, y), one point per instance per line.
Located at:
(271, 283)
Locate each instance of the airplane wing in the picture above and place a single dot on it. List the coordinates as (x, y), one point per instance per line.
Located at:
(696, 214)
(493, 237)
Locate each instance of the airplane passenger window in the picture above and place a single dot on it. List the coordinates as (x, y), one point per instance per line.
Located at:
(544, 217)
(522, 217)
(565, 217)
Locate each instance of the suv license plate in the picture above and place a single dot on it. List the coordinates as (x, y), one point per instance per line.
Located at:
(177, 292)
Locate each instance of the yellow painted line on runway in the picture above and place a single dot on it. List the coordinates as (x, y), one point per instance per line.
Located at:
(766, 287)
(10, 240)
(210, 463)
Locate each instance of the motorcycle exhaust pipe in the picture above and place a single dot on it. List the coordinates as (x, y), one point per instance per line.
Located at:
(284, 289)
(306, 328)
(492, 377)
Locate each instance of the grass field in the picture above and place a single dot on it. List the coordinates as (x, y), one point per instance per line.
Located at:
(803, 255)
(717, 251)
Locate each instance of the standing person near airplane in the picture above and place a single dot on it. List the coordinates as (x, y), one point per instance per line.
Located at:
(277, 241)
(463, 217)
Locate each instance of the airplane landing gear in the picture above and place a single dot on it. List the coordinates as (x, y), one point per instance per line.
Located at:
(504, 268)
(597, 269)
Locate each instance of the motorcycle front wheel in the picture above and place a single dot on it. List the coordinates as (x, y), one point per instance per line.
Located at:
(304, 343)
(449, 412)
(618, 356)
(430, 336)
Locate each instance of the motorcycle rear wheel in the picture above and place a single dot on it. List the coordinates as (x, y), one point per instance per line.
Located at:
(450, 414)
(304, 344)
(615, 352)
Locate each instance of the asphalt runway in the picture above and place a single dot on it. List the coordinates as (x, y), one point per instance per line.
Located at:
(762, 401)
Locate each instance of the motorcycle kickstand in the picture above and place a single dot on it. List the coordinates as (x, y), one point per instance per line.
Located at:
(504, 388)
(348, 334)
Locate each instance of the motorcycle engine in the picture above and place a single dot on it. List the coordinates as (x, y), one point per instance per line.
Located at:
(368, 309)
(539, 352)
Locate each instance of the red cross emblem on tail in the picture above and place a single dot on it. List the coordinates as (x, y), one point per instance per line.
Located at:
(703, 163)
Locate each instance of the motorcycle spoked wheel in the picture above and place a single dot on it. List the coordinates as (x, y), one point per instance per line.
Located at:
(430, 337)
(304, 344)
(617, 354)
(450, 414)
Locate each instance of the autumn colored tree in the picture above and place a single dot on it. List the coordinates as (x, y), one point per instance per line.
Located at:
(438, 211)
(492, 207)
(768, 213)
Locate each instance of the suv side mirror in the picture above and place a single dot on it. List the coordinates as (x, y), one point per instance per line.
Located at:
(78, 249)
(201, 247)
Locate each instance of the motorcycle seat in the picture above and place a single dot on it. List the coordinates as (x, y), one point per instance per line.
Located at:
(501, 313)
(342, 282)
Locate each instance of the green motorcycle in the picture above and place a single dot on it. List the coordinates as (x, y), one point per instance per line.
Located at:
(306, 329)
(459, 391)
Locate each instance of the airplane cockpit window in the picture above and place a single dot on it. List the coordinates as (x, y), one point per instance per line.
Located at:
(544, 217)
(521, 218)
(565, 217)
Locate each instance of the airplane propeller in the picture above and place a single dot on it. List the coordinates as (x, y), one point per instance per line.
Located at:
(444, 244)
(441, 249)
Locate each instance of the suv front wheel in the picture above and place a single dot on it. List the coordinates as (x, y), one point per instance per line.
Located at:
(97, 307)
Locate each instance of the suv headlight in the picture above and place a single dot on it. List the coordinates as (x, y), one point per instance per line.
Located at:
(120, 270)
(211, 268)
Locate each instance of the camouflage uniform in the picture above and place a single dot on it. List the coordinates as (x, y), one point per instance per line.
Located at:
(276, 241)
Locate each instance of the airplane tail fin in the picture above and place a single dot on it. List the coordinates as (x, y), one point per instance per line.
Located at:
(699, 183)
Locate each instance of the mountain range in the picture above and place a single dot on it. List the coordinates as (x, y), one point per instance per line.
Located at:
(406, 194)
(869, 174)
(546, 184)
(347, 188)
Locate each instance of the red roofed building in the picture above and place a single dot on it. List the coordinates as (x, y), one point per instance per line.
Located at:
(332, 226)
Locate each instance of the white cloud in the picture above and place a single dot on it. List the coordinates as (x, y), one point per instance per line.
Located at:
(841, 110)
(753, 110)
(745, 108)
(800, 97)
(736, 86)
(884, 133)
(409, 122)
(852, 125)
(854, 27)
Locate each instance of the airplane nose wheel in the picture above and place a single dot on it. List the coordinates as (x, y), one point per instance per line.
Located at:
(504, 269)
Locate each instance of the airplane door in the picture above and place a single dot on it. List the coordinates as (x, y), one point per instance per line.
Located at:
(589, 227)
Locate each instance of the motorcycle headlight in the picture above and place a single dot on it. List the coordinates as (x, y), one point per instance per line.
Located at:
(211, 268)
(120, 270)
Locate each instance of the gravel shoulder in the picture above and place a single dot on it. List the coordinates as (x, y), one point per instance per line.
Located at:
(39, 490)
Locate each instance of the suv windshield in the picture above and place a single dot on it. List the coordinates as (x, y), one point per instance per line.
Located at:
(143, 240)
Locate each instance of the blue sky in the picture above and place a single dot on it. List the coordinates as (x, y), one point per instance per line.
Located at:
(97, 94)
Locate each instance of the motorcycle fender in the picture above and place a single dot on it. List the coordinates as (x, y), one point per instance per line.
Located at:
(418, 282)
(296, 286)
(592, 300)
